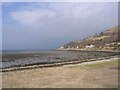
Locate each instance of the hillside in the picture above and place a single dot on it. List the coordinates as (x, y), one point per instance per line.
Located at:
(107, 40)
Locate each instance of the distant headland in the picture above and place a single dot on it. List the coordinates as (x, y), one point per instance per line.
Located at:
(104, 41)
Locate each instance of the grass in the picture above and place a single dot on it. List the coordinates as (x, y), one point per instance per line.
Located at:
(103, 64)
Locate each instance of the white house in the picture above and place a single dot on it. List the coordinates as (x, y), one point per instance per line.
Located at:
(77, 47)
(61, 47)
(89, 46)
(118, 43)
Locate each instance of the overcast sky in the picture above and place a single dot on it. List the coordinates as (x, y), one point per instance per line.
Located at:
(51, 25)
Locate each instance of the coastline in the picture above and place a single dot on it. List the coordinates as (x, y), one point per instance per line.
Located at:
(81, 62)
(88, 50)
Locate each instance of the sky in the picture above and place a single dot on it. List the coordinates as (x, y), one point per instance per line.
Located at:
(49, 25)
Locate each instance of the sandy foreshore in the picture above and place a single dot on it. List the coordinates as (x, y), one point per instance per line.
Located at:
(96, 74)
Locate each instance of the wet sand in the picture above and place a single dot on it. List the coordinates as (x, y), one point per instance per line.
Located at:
(99, 74)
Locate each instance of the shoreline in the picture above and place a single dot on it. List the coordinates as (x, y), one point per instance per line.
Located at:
(76, 62)
(88, 50)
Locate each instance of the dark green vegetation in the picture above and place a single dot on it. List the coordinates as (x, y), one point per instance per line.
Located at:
(107, 40)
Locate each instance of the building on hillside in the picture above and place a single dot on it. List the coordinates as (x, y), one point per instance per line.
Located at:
(77, 47)
(62, 47)
(90, 46)
(118, 43)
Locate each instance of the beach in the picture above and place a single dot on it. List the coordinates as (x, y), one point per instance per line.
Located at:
(59, 44)
(97, 74)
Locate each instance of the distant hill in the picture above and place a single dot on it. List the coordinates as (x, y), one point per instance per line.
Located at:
(107, 40)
